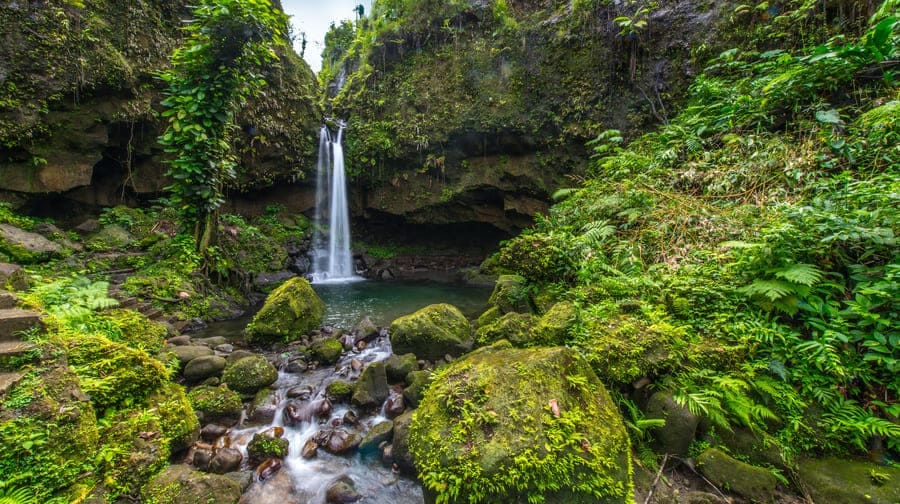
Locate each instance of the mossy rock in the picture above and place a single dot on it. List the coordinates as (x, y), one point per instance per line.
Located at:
(137, 331)
(846, 481)
(339, 391)
(178, 420)
(371, 388)
(399, 366)
(559, 438)
(380, 432)
(25, 247)
(216, 404)
(489, 315)
(180, 484)
(517, 328)
(676, 436)
(326, 350)
(432, 332)
(111, 237)
(623, 348)
(554, 325)
(250, 374)
(754, 483)
(511, 295)
(263, 446)
(290, 311)
(417, 383)
(204, 367)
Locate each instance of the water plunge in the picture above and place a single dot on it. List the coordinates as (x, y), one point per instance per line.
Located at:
(332, 260)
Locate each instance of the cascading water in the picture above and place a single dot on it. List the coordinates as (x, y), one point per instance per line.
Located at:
(332, 260)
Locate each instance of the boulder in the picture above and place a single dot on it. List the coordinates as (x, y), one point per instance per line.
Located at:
(263, 447)
(517, 328)
(559, 437)
(187, 353)
(12, 277)
(400, 444)
(511, 295)
(339, 391)
(290, 311)
(342, 491)
(676, 436)
(371, 388)
(553, 327)
(250, 374)
(380, 432)
(846, 481)
(201, 368)
(180, 483)
(754, 483)
(398, 366)
(337, 441)
(27, 247)
(417, 383)
(432, 332)
(365, 330)
(111, 237)
(326, 350)
(216, 404)
(263, 407)
(225, 460)
(489, 315)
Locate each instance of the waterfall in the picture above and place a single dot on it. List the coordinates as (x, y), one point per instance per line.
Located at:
(332, 261)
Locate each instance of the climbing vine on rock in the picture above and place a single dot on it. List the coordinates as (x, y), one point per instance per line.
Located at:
(228, 43)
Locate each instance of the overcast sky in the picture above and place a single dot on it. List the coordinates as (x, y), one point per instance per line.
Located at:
(314, 17)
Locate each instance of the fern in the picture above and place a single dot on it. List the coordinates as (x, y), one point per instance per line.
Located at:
(17, 496)
(803, 274)
(597, 232)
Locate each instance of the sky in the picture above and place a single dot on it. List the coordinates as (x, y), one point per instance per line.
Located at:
(314, 17)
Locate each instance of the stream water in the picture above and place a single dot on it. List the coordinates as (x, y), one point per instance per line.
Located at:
(303, 480)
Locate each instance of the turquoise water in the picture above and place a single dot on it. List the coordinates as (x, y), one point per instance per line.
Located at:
(346, 304)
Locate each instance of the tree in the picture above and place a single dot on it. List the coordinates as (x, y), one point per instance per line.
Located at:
(228, 44)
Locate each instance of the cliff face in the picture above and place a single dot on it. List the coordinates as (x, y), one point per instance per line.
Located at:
(79, 113)
(461, 92)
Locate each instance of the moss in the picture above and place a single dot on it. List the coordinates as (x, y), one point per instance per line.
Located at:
(339, 391)
(263, 446)
(111, 237)
(488, 431)
(744, 479)
(511, 294)
(180, 484)
(137, 331)
(432, 332)
(538, 257)
(327, 350)
(554, 326)
(216, 403)
(251, 249)
(846, 481)
(489, 315)
(290, 311)
(250, 374)
(518, 328)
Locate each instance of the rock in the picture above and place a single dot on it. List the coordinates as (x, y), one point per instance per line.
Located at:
(379, 433)
(187, 353)
(237, 355)
(339, 391)
(301, 265)
(202, 457)
(847, 481)
(243, 478)
(417, 383)
(309, 449)
(290, 311)
(268, 469)
(262, 447)
(216, 404)
(224, 348)
(371, 388)
(211, 432)
(676, 436)
(87, 227)
(262, 409)
(741, 478)
(489, 315)
(398, 366)
(12, 277)
(394, 405)
(295, 413)
(302, 392)
(266, 281)
(365, 330)
(27, 247)
(203, 367)
(400, 448)
(226, 460)
(250, 374)
(432, 332)
(296, 365)
(342, 491)
(553, 327)
(179, 483)
(337, 441)
(511, 295)
(350, 418)
(183, 340)
(754, 447)
(111, 237)
(211, 342)
(567, 442)
(327, 350)
(517, 328)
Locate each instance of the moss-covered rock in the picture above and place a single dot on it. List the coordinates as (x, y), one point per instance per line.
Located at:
(177, 418)
(204, 367)
(741, 478)
(623, 348)
(554, 325)
(339, 391)
(111, 237)
(371, 389)
(416, 384)
(290, 311)
(263, 446)
(380, 432)
(488, 430)
(432, 332)
(250, 374)
(399, 366)
(489, 315)
(511, 294)
(137, 331)
(326, 350)
(676, 436)
(216, 404)
(517, 328)
(846, 481)
(25, 247)
(180, 484)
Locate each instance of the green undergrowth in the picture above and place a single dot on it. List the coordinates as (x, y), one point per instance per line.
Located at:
(743, 256)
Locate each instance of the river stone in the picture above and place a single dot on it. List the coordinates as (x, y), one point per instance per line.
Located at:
(379, 433)
(310, 448)
(337, 441)
(243, 478)
(400, 452)
(182, 340)
(676, 436)
(263, 407)
(179, 483)
(365, 330)
(250, 374)
(847, 481)
(216, 404)
(211, 341)
(262, 447)
(339, 391)
(394, 405)
(511, 295)
(432, 332)
(398, 366)
(517, 328)
(371, 388)
(754, 483)
(12, 277)
(203, 367)
(417, 383)
(326, 350)
(212, 431)
(342, 491)
(563, 428)
(226, 460)
(238, 355)
(27, 247)
(187, 353)
(290, 311)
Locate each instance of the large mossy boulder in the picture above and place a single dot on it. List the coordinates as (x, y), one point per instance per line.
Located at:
(432, 332)
(290, 311)
(216, 404)
(26, 247)
(517, 328)
(250, 374)
(843, 481)
(676, 436)
(754, 483)
(181, 484)
(511, 425)
(371, 388)
(511, 295)
(326, 350)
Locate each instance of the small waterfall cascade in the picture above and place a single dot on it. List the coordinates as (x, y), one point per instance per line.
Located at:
(332, 259)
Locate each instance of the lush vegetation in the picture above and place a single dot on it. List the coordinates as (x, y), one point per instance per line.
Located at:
(743, 256)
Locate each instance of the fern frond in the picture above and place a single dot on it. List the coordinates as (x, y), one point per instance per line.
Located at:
(563, 193)
(772, 290)
(597, 232)
(803, 274)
